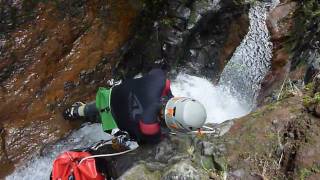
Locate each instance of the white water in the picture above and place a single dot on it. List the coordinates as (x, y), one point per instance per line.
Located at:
(220, 104)
(252, 59)
(233, 97)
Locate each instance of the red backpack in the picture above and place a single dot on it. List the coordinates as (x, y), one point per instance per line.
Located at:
(67, 166)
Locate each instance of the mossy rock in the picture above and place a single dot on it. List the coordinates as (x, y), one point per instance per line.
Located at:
(140, 172)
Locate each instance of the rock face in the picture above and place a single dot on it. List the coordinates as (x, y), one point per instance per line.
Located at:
(295, 36)
(280, 24)
(304, 41)
(60, 55)
(201, 35)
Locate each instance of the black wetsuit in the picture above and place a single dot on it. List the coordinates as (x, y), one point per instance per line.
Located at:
(136, 103)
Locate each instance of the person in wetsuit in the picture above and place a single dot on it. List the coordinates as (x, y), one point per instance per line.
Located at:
(139, 106)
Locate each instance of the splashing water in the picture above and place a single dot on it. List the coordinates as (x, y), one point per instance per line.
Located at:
(236, 93)
(252, 59)
(218, 100)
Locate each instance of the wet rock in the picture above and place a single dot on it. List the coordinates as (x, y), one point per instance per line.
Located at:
(208, 48)
(164, 151)
(199, 9)
(317, 110)
(316, 83)
(312, 57)
(307, 156)
(42, 66)
(5, 163)
(172, 36)
(204, 6)
(280, 23)
(183, 170)
(139, 172)
(183, 12)
(223, 128)
(155, 166)
(69, 85)
(192, 34)
(178, 158)
(208, 148)
(237, 174)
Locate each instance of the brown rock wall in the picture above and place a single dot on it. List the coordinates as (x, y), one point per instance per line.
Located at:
(43, 56)
(280, 23)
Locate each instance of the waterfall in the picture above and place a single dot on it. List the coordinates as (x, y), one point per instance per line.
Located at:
(218, 101)
(236, 93)
(251, 60)
(233, 97)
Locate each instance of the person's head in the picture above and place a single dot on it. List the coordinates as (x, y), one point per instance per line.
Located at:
(184, 114)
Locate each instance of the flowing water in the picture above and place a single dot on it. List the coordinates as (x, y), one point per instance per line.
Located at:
(252, 59)
(233, 97)
(219, 102)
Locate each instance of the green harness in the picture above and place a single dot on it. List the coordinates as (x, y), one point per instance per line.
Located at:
(103, 105)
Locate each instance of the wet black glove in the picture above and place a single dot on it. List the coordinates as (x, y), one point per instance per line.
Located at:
(119, 140)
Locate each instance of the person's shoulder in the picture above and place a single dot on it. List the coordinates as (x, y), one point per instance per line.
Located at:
(157, 71)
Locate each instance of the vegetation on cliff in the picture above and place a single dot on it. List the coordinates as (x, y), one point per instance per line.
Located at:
(306, 32)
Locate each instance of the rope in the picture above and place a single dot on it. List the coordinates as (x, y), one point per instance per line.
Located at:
(210, 128)
(204, 132)
(106, 155)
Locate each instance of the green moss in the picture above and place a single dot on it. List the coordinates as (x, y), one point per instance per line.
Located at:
(305, 31)
(207, 163)
(193, 17)
(272, 106)
(307, 101)
(304, 173)
(315, 169)
(317, 97)
(257, 114)
(167, 21)
(309, 87)
(271, 136)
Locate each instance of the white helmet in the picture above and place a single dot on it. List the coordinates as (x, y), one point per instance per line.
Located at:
(184, 114)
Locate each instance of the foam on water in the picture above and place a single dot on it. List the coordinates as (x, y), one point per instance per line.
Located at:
(220, 104)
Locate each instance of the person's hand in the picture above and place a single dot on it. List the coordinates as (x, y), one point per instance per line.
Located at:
(119, 139)
(122, 142)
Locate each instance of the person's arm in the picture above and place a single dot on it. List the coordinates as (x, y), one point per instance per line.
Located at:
(167, 90)
(149, 124)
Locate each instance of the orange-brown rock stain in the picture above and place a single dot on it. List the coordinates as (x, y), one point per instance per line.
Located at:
(53, 51)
